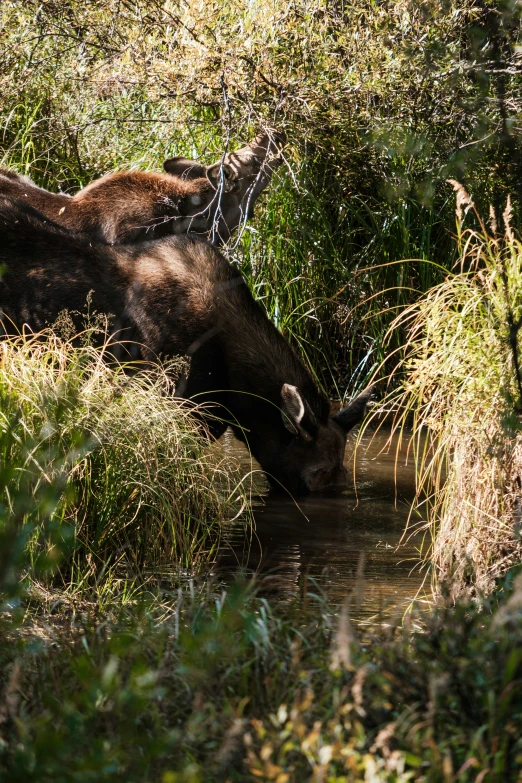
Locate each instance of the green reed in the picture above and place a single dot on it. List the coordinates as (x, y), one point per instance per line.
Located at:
(330, 271)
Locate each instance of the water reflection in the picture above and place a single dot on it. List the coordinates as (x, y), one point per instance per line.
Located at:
(327, 537)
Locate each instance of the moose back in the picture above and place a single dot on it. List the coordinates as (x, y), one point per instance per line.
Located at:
(179, 295)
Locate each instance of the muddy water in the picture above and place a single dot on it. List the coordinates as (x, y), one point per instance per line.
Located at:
(347, 543)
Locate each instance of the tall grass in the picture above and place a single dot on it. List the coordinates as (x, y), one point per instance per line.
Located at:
(330, 270)
(142, 489)
(462, 388)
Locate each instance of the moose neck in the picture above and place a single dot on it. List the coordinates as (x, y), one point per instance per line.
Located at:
(259, 361)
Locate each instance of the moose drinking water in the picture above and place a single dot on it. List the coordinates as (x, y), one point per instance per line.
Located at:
(130, 206)
(179, 295)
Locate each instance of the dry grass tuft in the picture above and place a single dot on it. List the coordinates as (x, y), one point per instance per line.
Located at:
(463, 387)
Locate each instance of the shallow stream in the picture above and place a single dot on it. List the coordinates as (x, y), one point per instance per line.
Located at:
(349, 543)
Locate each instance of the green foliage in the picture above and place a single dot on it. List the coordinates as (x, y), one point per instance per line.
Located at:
(329, 290)
(206, 687)
(413, 82)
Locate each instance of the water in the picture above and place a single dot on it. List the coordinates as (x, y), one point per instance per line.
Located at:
(348, 543)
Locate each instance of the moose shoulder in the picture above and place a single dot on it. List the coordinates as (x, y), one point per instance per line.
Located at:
(179, 295)
(131, 206)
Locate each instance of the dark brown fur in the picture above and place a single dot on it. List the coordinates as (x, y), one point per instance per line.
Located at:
(130, 206)
(179, 295)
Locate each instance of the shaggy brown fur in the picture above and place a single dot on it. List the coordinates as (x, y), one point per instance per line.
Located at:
(179, 295)
(130, 206)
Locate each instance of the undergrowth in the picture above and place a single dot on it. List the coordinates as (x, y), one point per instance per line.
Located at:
(212, 685)
(137, 487)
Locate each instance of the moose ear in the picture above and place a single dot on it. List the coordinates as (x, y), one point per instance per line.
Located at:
(354, 412)
(297, 416)
(184, 168)
(222, 174)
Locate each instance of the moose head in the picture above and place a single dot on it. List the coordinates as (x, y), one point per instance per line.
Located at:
(300, 449)
(235, 181)
(313, 458)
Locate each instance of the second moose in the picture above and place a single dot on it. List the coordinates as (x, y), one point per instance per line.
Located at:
(132, 206)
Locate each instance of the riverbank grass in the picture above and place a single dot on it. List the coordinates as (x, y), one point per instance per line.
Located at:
(112, 474)
(462, 361)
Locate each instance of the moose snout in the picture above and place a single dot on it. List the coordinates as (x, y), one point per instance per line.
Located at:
(320, 480)
(270, 142)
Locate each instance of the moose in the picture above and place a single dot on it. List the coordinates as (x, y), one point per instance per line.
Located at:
(179, 295)
(132, 206)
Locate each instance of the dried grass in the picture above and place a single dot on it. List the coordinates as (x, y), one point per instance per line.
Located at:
(463, 388)
(141, 488)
